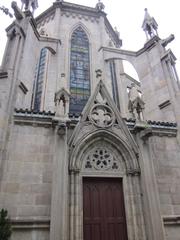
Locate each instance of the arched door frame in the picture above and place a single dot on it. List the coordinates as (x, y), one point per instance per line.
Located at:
(131, 184)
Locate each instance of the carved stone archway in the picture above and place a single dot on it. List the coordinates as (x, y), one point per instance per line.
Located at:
(101, 154)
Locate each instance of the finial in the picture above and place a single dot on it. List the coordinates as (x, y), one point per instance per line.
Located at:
(150, 25)
(117, 32)
(100, 6)
(27, 5)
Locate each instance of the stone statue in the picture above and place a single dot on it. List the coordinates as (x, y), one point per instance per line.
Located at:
(28, 4)
(136, 104)
(100, 6)
(17, 11)
(61, 103)
(117, 32)
(150, 25)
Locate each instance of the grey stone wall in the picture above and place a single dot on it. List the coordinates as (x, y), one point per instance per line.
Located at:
(30, 234)
(27, 173)
(166, 159)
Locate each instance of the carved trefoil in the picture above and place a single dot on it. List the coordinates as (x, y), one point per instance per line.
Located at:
(101, 159)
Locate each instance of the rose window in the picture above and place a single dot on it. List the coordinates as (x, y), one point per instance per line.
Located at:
(101, 159)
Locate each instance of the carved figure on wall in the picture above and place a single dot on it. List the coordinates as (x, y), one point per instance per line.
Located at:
(61, 103)
(136, 104)
(150, 25)
(117, 32)
(100, 6)
(17, 11)
(28, 4)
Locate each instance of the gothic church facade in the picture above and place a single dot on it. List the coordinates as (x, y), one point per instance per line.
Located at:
(86, 151)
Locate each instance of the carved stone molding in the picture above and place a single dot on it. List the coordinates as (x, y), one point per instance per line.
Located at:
(46, 20)
(80, 16)
(29, 224)
(134, 172)
(160, 132)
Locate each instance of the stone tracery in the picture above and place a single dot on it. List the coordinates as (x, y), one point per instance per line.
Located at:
(100, 158)
(101, 115)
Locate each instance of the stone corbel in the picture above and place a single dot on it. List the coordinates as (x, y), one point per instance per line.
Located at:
(61, 128)
(61, 103)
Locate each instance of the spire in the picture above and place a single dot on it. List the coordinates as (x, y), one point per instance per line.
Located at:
(27, 5)
(100, 6)
(150, 25)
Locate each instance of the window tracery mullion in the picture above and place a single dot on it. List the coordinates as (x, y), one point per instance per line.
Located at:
(79, 71)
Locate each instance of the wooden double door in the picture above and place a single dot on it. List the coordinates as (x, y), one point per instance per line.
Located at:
(103, 209)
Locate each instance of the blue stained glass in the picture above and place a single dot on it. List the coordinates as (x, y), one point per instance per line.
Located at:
(39, 80)
(79, 71)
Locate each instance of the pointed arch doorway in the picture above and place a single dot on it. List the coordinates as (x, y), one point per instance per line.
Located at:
(103, 209)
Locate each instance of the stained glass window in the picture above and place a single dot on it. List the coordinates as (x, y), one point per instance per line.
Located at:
(79, 71)
(39, 80)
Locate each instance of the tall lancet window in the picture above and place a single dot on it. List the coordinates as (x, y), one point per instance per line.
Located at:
(39, 82)
(79, 71)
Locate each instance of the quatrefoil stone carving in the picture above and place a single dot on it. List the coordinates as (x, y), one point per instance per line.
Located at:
(102, 116)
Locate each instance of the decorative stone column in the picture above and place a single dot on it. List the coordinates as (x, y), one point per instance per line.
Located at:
(59, 201)
(153, 220)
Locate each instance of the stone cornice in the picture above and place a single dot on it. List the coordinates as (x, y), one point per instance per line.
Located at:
(27, 224)
(28, 117)
(152, 128)
(82, 10)
(171, 220)
(47, 119)
(162, 131)
(46, 13)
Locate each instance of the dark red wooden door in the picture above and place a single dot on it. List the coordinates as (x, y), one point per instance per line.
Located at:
(103, 209)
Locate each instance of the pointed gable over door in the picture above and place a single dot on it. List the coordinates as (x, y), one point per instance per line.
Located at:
(101, 119)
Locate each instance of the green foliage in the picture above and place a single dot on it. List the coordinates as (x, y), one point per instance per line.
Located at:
(5, 225)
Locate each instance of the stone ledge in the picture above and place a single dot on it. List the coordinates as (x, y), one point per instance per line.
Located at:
(34, 112)
(3, 75)
(46, 119)
(23, 223)
(171, 220)
(158, 131)
(34, 118)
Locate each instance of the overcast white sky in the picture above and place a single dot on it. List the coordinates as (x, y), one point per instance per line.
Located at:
(127, 16)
